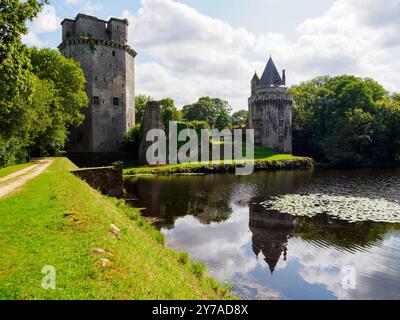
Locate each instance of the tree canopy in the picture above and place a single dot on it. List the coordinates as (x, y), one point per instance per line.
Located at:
(215, 111)
(240, 118)
(140, 105)
(346, 120)
(42, 92)
(169, 112)
(67, 99)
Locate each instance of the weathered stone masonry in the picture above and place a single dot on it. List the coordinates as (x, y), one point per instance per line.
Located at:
(270, 111)
(107, 60)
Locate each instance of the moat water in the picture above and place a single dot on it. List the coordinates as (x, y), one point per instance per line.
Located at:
(317, 234)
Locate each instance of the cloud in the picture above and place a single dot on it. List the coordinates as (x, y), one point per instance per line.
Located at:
(86, 6)
(194, 55)
(32, 40)
(344, 40)
(47, 21)
(91, 8)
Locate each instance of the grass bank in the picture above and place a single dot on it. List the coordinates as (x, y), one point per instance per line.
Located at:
(264, 159)
(9, 170)
(100, 248)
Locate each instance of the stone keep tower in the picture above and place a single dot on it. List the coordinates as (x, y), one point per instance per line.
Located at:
(270, 111)
(107, 60)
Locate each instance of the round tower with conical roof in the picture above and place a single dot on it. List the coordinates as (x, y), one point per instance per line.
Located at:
(270, 110)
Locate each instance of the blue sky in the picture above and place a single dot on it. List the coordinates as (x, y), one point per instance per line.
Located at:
(191, 48)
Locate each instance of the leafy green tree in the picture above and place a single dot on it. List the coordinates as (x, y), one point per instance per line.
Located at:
(346, 120)
(16, 80)
(68, 97)
(169, 112)
(140, 106)
(213, 110)
(131, 140)
(240, 118)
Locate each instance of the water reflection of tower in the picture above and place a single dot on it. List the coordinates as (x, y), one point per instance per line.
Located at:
(271, 231)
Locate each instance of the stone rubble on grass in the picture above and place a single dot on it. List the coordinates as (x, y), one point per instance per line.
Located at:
(115, 229)
(104, 262)
(98, 250)
(348, 208)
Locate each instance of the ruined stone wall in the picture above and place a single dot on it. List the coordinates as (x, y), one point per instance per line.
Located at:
(107, 180)
(151, 120)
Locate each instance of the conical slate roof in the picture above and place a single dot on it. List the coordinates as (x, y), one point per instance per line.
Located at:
(271, 75)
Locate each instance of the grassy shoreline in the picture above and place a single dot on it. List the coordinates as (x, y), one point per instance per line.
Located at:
(264, 159)
(58, 220)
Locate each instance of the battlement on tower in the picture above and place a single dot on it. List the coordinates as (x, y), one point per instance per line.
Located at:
(88, 26)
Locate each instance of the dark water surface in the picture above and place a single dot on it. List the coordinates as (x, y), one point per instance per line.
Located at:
(266, 254)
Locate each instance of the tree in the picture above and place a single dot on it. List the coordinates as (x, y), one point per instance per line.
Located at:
(65, 82)
(346, 120)
(240, 118)
(169, 112)
(16, 80)
(213, 110)
(140, 105)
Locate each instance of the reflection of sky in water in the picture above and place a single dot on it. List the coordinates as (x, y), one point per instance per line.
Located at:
(312, 269)
(242, 242)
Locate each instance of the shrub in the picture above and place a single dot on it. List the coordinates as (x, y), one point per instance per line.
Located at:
(183, 258)
(131, 140)
(198, 269)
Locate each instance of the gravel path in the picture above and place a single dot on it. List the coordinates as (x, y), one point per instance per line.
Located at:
(17, 179)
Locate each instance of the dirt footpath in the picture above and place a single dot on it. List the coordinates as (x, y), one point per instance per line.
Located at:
(17, 179)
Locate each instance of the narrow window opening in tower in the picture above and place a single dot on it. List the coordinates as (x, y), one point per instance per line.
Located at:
(116, 101)
(113, 53)
(96, 100)
(281, 112)
(79, 137)
(281, 123)
(281, 139)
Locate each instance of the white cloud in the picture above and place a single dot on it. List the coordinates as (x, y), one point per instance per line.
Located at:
(91, 8)
(46, 21)
(32, 40)
(194, 55)
(86, 6)
(342, 42)
(72, 1)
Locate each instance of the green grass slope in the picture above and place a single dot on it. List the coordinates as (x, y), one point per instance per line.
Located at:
(58, 220)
